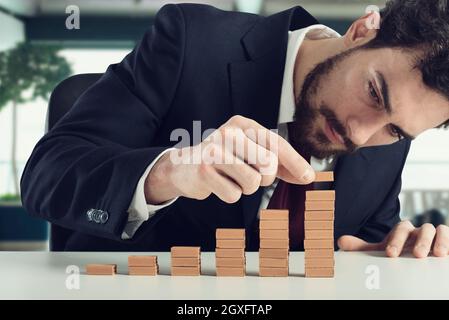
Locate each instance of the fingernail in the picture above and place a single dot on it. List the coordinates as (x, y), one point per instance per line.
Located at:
(308, 175)
(392, 250)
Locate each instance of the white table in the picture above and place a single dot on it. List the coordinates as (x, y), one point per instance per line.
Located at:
(42, 275)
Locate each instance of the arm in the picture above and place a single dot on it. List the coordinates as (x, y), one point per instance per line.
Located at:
(95, 156)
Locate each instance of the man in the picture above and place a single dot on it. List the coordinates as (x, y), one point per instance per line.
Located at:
(107, 178)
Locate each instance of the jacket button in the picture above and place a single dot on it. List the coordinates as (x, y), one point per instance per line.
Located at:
(89, 214)
(97, 216)
(103, 217)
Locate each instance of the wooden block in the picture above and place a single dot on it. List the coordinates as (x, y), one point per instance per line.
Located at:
(238, 234)
(273, 234)
(143, 271)
(186, 252)
(324, 176)
(270, 214)
(319, 272)
(101, 269)
(318, 225)
(229, 243)
(273, 224)
(185, 271)
(230, 272)
(274, 243)
(320, 195)
(278, 253)
(273, 272)
(320, 205)
(319, 215)
(142, 261)
(320, 263)
(185, 262)
(319, 234)
(319, 244)
(230, 262)
(229, 253)
(318, 253)
(271, 262)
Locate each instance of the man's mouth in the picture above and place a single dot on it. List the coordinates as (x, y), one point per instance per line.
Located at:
(332, 135)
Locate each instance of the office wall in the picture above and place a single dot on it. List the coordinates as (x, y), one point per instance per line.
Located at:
(11, 32)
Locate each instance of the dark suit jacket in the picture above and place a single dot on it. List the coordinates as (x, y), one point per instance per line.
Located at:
(195, 63)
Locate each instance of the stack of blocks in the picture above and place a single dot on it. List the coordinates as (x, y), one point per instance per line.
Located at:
(142, 266)
(319, 230)
(230, 253)
(274, 243)
(185, 261)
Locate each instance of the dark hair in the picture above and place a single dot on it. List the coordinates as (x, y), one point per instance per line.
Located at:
(422, 25)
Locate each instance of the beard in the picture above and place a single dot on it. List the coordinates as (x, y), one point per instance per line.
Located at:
(305, 132)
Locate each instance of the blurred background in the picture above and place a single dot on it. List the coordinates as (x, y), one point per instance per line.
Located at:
(41, 43)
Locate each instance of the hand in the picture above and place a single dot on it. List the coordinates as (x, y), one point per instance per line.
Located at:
(235, 159)
(405, 237)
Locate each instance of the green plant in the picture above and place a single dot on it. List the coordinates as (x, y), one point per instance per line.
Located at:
(10, 198)
(27, 72)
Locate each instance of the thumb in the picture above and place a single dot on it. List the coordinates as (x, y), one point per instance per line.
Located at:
(351, 243)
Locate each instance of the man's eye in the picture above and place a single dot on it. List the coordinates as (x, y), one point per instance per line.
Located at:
(395, 131)
(373, 93)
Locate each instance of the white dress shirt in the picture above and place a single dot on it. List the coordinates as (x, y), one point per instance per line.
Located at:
(139, 211)
(287, 105)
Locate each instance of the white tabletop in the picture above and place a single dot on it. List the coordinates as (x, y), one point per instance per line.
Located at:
(42, 275)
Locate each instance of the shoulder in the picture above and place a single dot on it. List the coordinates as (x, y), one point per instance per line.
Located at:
(210, 18)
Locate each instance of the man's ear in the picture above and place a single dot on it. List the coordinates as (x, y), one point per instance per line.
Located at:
(363, 30)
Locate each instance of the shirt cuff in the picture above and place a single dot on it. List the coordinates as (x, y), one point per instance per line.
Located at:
(139, 211)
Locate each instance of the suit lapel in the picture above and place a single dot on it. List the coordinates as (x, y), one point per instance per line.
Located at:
(256, 83)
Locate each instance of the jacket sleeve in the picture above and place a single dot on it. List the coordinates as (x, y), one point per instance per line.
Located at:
(386, 217)
(95, 155)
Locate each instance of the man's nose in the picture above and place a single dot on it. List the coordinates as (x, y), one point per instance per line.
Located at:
(362, 128)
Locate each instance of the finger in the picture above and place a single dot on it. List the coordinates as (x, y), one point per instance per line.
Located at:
(296, 166)
(288, 157)
(351, 243)
(286, 175)
(263, 160)
(423, 244)
(255, 155)
(441, 246)
(245, 176)
(225, 189)
(398, 238)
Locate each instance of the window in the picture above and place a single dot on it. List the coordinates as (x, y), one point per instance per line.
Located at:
(426, 175)
(31, 116)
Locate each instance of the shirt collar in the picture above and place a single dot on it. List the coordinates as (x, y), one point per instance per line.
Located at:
(295, 40)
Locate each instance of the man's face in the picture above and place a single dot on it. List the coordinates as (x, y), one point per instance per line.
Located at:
(365, 97)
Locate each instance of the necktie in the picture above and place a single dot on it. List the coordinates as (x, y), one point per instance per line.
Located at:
(292, 197)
